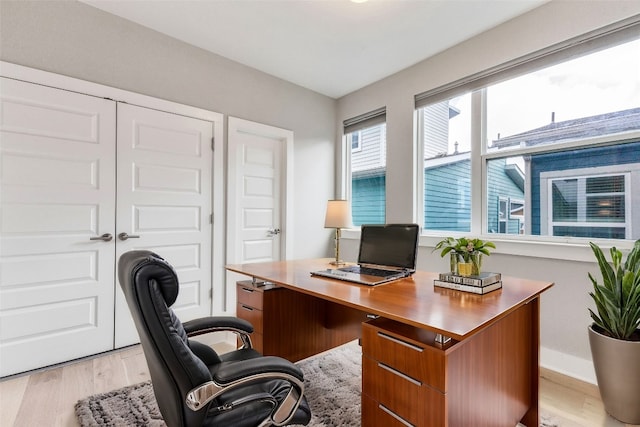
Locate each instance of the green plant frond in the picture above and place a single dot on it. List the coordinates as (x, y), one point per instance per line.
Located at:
(446, 251)
(463, 246)
(608, 275)
(616, 256)
(628, 283)
(605, 311)
(617, 298)
(633, 258)
(596, 319)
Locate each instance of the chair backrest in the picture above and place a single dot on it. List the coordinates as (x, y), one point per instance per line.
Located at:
(151, 286)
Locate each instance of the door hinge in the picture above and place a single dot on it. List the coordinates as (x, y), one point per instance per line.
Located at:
(211, 219)
(211, 293)
(213, 143)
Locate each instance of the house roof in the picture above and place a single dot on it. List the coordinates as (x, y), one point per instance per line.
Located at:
(584, 127)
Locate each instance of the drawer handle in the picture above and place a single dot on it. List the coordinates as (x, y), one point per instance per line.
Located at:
(397, 341)
(394, 415)
(246, 308)
(400, 374)
(247, 290)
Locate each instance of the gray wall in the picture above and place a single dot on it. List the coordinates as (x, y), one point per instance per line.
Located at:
(564, 308)
(73, 39)
(76, 40)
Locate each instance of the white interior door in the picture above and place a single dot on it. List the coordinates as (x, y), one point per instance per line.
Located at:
(57, 189)
(165, 204)
(258, 183)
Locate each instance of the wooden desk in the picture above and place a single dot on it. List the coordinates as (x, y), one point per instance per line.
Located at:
(487, 375)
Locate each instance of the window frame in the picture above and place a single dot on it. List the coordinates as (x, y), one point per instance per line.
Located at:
(604, 38)
(546, 196)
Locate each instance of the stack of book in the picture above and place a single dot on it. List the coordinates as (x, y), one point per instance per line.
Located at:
(478, 284)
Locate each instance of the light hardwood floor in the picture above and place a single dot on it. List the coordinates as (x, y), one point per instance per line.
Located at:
(47, 397)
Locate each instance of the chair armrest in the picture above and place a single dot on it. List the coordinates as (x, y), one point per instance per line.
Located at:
(231, 372)
(241, 373)
(209, 324)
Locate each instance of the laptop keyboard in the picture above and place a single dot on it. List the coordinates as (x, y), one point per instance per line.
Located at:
(373, 271)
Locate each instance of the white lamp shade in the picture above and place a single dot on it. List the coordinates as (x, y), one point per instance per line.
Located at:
(338, 214)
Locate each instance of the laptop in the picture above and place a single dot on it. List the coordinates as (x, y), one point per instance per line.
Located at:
(387, 252)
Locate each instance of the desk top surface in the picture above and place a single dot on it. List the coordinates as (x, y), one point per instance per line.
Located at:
(415, 301)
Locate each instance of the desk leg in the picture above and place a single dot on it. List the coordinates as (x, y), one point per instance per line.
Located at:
(532, 417)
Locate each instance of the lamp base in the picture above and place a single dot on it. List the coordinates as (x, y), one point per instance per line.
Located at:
(338, 262)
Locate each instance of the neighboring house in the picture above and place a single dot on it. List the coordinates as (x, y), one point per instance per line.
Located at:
(447, 190)
(447, 179)
(585, 192)
(368, 175)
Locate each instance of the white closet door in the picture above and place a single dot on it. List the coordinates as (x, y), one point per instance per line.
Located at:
(258, 194)
(164, 197)
(57, 189)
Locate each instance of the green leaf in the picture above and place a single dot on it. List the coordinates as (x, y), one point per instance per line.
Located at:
(617, 298)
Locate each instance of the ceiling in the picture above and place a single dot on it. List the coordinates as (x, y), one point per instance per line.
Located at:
(333, 47)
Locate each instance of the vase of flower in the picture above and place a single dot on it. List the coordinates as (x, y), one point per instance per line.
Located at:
(476, 262)
(465, 254)
(453, 262)
(471, 263)
(465, 268)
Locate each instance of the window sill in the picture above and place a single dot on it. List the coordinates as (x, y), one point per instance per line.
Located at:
(570, 249)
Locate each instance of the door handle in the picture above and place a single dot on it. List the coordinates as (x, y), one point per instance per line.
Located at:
(273, 232)
(106, 237)
(125, 236)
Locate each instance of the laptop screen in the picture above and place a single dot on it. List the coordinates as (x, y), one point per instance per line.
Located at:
(393, 245)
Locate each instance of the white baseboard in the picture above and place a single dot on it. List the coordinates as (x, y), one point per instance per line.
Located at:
(566, 364)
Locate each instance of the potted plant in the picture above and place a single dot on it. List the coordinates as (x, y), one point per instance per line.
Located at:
(465, 254)
(614, 336)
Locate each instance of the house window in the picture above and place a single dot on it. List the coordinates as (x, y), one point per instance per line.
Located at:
(589, 205)
(503, 214)
(367, 136)
(566, 114)
(510, 216)
(355, 141)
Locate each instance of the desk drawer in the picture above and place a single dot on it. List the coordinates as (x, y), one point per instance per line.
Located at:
(393, 389)
(413, 358)
(250, 314)
(250, 296)
(375, 414)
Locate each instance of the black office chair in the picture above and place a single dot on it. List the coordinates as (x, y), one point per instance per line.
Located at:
(193, 385)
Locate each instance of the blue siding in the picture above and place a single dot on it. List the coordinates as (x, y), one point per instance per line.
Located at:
(368, 200)
(447, 197)
(575, 159)
(447, 202)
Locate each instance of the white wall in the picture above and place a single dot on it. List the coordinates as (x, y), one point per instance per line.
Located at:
(73, 39)
(564, 313)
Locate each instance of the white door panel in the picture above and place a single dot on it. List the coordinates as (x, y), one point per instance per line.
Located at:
(164, 197)
(258, 199)
(57, 184)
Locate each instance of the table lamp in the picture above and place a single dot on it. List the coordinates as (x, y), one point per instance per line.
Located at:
(338, 216)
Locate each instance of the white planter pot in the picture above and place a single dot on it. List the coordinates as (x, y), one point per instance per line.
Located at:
(617, 366)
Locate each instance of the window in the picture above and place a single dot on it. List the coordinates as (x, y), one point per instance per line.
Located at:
(446, 132)
(355, 141)
(557, 143)
(367, 136)
(588, 205)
